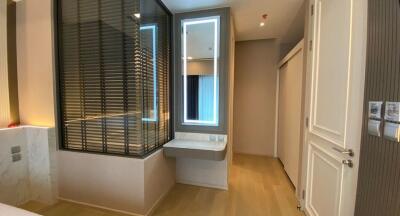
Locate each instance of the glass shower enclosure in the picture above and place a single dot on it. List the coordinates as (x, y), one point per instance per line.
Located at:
(113, 75)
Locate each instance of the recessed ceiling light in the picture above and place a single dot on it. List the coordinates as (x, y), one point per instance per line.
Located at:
(190, 57)
(137, 15)
(263, 20)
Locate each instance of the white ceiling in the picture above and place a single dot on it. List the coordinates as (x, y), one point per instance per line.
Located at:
(200, 41)
(247, 15)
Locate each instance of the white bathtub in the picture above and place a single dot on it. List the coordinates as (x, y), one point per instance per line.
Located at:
(6, 210)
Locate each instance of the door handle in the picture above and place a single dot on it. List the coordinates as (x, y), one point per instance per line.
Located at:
(346, 151)
(349, 163)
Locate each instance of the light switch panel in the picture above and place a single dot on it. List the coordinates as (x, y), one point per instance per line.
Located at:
(374, 127)
(375, 109)
(16, 157)
(212, 138)
(15, 149)
(391, 131)
(392, 111)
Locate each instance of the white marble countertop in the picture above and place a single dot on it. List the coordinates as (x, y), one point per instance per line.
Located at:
(196, 145)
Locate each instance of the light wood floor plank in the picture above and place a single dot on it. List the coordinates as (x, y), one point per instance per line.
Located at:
(258, 186)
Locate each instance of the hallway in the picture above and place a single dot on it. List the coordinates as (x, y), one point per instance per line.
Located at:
(258, 186)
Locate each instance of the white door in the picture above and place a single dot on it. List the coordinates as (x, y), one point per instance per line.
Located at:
(289, 115)
(335, 86)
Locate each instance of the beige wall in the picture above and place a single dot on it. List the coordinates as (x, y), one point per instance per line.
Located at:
(255, 96)
(35, 62)
(200, 67)
(4, 90)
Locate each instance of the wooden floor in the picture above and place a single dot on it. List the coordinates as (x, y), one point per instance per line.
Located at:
(257, 186)
(63, 208)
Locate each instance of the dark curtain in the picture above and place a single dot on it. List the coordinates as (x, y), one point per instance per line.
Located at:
(193, 97)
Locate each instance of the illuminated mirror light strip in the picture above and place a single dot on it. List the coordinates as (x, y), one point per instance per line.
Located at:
(153, 28)
(215, 21)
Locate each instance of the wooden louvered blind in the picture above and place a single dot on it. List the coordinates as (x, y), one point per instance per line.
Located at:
(114, 75)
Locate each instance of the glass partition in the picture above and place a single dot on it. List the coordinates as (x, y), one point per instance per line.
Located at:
(113, 75)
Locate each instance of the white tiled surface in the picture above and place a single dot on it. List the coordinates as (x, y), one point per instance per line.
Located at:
(14, 177)
(196, 144)
(33, 177)
(201, 136)
(41, 145)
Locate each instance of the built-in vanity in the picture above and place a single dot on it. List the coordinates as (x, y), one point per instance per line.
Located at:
(202, 73)
(197, 146)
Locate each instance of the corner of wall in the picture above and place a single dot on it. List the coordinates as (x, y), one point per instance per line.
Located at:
(159, 179)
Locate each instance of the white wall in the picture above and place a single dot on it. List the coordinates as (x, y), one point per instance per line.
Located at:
(207, 173)
(119, 183)
(159, 175)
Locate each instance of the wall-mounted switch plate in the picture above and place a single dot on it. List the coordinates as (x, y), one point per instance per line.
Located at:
(391, 131)
(213, 138)
(375, 109)
(221, 138)
(16, 157)
(392, 111)
(15, 149)
(374, 127)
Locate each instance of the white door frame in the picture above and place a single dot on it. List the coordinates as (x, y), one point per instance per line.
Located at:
(358, 64)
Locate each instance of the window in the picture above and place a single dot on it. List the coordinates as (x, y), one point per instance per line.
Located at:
(113, 75)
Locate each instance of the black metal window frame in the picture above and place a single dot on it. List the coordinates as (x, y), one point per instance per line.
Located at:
(57, 39)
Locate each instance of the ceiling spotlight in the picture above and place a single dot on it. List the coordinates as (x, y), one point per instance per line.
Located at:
(263, 20)
(137, 15)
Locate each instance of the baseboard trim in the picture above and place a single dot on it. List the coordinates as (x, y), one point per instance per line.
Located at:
(221, 187)
(158, 202)
(100, 207)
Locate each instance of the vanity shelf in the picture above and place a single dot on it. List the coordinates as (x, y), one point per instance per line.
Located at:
(205, 150)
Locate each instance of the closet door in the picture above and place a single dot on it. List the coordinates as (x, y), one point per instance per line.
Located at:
(290, 96)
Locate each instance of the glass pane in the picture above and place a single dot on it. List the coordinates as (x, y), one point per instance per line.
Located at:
(200, 56)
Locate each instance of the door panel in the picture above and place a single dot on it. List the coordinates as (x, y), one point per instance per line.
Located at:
(289, 126)
(334, 100)
(325, 174)
(331, 69)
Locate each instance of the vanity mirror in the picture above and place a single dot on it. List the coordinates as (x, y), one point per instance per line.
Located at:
(200, 56)
(201, 70)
